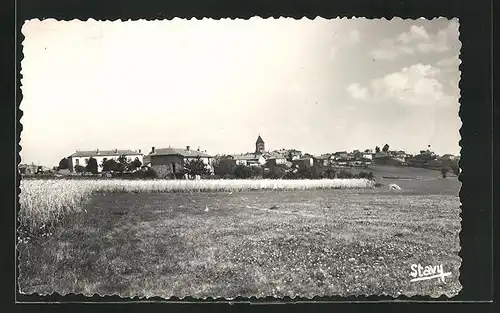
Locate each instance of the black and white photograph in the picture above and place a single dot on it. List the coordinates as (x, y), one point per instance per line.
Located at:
(261, 157)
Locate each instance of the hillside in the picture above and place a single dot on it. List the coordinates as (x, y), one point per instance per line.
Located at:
(387, 171)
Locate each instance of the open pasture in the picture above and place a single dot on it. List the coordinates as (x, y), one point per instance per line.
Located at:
(44, 202)
(252, 243)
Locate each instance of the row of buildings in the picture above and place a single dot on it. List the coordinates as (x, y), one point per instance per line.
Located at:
(165, 161)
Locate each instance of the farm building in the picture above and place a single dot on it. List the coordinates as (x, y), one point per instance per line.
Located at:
(167, 161)
(82, 157)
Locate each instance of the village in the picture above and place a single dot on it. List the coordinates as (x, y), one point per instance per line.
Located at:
(172, 162)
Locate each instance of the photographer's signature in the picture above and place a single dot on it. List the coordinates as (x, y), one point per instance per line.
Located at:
(419, 272)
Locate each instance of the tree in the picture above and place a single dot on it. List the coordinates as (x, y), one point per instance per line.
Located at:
(377, 149)
(124, 163)
(135, 164)
(91, 166)
(64, 164)
(385, 148)
(196, 167)
(242, 171)
(79, 168)
(110, 165)
(224, 165)
(330, 172)
(444, 172)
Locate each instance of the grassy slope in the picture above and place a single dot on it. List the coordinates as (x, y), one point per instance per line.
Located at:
(336, 242)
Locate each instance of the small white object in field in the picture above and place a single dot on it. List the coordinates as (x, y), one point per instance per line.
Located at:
(231, 192)
(394, 187)
(206, 208)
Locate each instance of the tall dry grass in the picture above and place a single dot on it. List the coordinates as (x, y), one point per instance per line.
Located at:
(44, 202)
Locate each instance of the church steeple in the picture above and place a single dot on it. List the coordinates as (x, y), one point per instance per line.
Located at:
(259, 145)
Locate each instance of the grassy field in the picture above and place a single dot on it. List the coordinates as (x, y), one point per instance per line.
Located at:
(45, 202)
(252, 243)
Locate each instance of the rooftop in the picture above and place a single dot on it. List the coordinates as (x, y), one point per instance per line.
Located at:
(182, 152)
(115, 152)
(248, 156)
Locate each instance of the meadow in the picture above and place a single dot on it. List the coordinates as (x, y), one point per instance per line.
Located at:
(45, 202)
(313, 238)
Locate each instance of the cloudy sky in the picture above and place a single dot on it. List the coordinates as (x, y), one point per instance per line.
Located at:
(314, 85)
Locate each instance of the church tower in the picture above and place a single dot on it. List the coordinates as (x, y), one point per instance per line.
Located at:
(259, 145)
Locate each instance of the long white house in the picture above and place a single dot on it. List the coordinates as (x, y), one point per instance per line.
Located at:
(82, 157)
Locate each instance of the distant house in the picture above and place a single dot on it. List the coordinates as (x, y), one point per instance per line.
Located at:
(341, 155)
(323, 160)
(448, 157)
(82, 157)
(384, 158)
(167, 161)
(367, 156)
(275, 157)
(249, 159)
(304, 162)
(290, 153)
(28, 169)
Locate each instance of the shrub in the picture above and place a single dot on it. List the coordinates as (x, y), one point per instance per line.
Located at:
(242, 172)
(196, 167)
(367, 175)
(344, 174)
(275, 172)
(91, 166)
(224, 165)
(79, 168)
(444, 172)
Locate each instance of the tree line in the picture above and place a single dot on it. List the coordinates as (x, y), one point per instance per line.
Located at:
(121, 165)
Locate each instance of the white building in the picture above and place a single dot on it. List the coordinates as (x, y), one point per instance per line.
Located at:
(82, 157)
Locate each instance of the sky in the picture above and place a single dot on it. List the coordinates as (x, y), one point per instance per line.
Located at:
(314, 85)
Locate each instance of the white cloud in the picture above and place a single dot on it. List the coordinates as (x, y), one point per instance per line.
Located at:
(358, 92)
(417, 39)
(417, 85)
(453, 61)
(354, 36)
(415, 33)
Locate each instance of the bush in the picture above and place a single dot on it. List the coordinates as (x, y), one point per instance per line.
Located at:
(344, 174)
(79, 168)
(256, 171)
(275, 172)
(224, 166)
(196, 167)
(444, 172)
(242, 172)
(366, 175)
